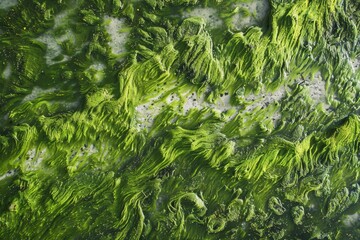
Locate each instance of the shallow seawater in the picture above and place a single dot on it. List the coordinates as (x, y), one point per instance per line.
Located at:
(180, 119)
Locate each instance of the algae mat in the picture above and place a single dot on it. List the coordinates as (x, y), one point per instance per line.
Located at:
(187, 119)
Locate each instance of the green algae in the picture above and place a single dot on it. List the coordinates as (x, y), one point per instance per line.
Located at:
(142, 120)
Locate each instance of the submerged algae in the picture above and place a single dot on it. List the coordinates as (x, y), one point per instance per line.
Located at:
(252, 127)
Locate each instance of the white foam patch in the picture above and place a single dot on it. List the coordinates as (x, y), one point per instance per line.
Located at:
(173, 97)
(98, 66)
(87, 150)
(68, 105)
(317, 90)
(61, 18)
(355, 63)
(71, 105)
(351, 220)
(263, 99)
(259, 8)
(210, 15)
(37, 92)
(258, 11)
(92, 149)
(8, 174)
(240, 22)
(116, 28)
(96, 72)
(34, 158)
(53, 44)
(53, 48)
(147, 112)
(7, 3)
(7, 71)
(194, 101)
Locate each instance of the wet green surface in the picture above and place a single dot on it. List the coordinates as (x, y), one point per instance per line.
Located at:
(179, 119)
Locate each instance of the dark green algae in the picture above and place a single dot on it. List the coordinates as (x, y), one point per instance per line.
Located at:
(78, 162)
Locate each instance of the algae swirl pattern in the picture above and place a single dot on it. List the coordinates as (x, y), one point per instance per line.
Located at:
(179, 119)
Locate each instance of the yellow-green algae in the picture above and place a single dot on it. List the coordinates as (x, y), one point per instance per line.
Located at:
(78, 161)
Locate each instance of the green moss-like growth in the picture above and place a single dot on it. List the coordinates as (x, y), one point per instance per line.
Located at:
(179, 119)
